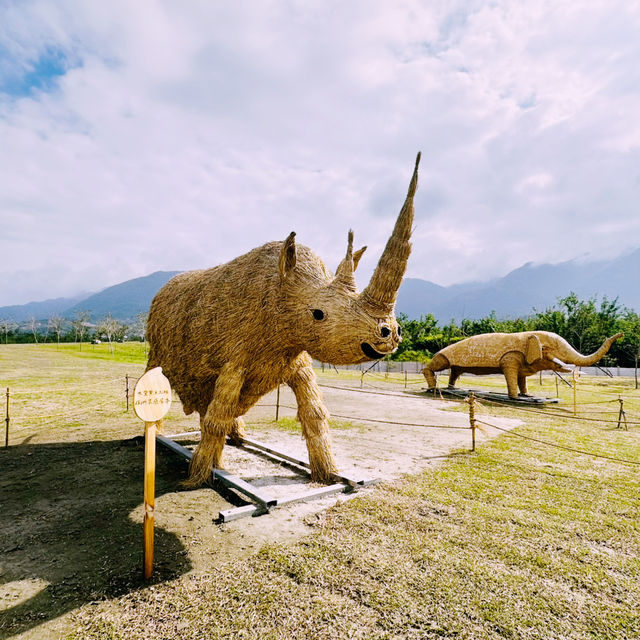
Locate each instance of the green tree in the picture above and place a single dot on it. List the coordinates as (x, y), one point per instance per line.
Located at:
(628, 349)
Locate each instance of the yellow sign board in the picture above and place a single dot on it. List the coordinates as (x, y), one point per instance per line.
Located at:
(152, 396)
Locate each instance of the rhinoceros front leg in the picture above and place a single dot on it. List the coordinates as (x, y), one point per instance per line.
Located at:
(221, 419)
(314, 418)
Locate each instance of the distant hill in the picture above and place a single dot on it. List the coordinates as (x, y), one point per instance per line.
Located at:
(523, 289)
(39, 310)
(516, 294)
(125, 300)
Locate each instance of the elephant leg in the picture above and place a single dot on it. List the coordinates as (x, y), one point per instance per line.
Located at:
(430, 377)
(314, 419)
(522, 385)
(220, 420)
(510, 366)
(438, 363)
(454, 374)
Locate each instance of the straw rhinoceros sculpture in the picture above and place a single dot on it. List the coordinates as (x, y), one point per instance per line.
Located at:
(226, 336)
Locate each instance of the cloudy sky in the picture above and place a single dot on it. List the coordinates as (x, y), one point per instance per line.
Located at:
(149, 135)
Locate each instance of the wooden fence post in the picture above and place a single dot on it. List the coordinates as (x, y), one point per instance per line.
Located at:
(576, 375)
(405, 379)
(277, 403)
(472, 420)
(151, 402)
(6, 420)
(622, 415)
(149, 497)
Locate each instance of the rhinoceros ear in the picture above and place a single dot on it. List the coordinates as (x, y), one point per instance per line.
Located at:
(534, 349)
(287, 259)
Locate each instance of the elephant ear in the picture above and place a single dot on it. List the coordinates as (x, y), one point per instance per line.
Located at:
(534, 349)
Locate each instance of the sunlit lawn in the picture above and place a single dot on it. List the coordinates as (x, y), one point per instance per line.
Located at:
(519, 540)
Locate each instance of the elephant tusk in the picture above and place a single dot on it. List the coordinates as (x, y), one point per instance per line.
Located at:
(559, 362)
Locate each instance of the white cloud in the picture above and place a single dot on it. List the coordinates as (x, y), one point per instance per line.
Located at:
(183, 135)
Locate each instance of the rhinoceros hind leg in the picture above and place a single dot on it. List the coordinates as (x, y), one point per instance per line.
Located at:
(237, 432)
(220, 420)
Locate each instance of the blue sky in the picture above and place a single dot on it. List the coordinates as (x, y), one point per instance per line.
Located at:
(157, 136)
(39, 75)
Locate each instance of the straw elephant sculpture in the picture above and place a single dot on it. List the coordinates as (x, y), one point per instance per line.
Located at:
(226, 336)
(515, 355)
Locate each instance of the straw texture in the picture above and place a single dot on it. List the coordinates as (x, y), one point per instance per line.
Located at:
(515, 355)
(226, 336)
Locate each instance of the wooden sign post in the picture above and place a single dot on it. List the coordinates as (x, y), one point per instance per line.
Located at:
(151, 402)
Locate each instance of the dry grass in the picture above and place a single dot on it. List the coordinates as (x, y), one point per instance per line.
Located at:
(520, 540)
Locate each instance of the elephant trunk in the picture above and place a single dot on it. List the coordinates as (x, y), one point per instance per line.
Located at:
(572, 356)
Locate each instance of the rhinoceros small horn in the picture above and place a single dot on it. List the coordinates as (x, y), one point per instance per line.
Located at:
(344, 272)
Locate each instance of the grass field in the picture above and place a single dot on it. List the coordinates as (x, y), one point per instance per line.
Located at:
(519, 540)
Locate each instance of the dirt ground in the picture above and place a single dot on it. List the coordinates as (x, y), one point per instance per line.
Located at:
(366, 450)
(71, 503)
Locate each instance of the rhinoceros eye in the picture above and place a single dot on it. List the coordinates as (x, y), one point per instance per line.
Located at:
(318, 314)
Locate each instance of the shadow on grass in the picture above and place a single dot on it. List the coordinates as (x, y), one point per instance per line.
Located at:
(66, 530)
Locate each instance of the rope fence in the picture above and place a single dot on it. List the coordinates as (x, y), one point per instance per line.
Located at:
(515, 434)
(557, 414)
(393, 379)
(622, 420)
(18, 402)
(48, 389)
(376, 420)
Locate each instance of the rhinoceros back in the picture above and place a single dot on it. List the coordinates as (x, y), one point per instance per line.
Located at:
(200, 320)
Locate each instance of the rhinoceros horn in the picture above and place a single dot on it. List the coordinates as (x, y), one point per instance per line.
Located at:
(382, 290)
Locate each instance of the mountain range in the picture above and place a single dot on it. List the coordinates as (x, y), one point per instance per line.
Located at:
(531, 286)
(123, 301)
